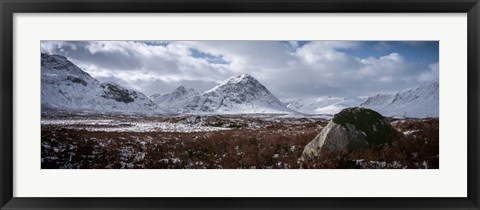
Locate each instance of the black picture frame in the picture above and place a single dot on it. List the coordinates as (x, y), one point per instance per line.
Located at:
(10, 7)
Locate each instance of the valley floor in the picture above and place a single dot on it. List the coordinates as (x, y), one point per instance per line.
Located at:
(228, 142)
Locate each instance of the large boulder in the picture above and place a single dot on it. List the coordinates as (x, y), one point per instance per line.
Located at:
(349, 130)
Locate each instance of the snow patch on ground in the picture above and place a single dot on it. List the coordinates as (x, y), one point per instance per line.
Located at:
(119, 126)
(76, 122)
(410, 132)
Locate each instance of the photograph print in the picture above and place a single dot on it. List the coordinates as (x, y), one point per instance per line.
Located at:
(239, 104)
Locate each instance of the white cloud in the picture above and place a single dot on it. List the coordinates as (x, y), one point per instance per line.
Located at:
(54, 46)
(431, 75)
(288, 69)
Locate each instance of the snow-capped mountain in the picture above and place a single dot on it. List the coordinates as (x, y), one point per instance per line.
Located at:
(179, 94)
(240, 94)
(339, 106)
(420, 101)
(66, 87)
(378, 101)
(318, 105)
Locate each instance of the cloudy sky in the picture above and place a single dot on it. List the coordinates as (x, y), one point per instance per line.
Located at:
(289, 69)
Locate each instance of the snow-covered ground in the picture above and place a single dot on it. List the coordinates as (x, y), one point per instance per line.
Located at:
(119, 126)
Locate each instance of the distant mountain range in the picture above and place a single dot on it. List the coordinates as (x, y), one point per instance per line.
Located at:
(419, 101)
(323, 105)
(65, 87)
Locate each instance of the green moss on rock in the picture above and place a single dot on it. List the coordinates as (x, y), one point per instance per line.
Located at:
(377, 129)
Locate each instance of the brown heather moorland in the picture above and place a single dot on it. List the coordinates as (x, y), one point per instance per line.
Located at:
(240, 142)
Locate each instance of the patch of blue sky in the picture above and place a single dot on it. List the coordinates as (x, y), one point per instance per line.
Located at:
(291, 46)
(420, 52)
(156, 43)
(209, 57)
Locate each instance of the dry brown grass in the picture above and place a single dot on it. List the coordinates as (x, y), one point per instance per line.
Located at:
(276, 144)
(273, 145)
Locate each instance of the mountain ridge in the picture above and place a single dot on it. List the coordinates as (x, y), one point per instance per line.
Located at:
(418, 101)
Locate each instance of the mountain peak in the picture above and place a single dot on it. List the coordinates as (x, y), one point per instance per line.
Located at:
(55, 61)
(179, 94)
(245, 76)
(61, 64)
(236, 95)
(46, 55)
(181, 89)
(238, 80)
(241, 78)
